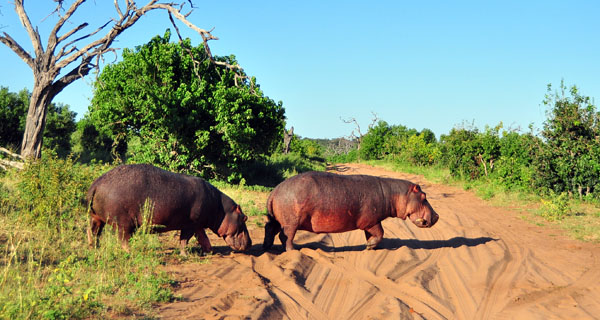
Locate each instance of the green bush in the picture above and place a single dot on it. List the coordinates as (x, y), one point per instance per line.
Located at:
(514, 169)
(372, 145)
(460, 151)
(176, 109)
(556, 208)
(351, 156)
(569, 158)
(418, 151)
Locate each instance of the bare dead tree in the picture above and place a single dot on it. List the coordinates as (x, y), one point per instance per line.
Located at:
(287, 139)
(357, 133)
(78, 53)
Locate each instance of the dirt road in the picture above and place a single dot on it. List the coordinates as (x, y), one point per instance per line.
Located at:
(478, 262)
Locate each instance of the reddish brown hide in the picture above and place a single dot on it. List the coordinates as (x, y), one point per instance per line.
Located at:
(325, 202)
(180, 202)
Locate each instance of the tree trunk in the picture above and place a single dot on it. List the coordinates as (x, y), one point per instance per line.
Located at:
(42, 95)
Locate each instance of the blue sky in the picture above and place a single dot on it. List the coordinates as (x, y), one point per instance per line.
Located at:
(422, 64)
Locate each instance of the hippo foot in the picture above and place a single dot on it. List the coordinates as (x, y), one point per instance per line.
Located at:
(372, 244)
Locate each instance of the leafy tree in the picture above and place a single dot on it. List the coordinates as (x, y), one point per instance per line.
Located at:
(373, 142)
(395, 139)
(569, 160)
(13, 114)
(428, 135)
(460, 151)
(306, 147)
(91, 143)
(59, 127)
(13, 107)
(177, 109)
(514, 168)
(417, 150)
(71, 55)
(470, 153)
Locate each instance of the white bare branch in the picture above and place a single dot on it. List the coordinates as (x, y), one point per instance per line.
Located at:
(118, 9)
(4, 163)
(34, 35)
(14, 46)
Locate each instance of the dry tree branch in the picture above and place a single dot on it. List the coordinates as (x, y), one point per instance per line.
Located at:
(4, 163)
(14, 46)
(118, 9)
(195, 62)
(34, 35)
(357, 126)
(356, 129)
(62, 53)
(240, 70)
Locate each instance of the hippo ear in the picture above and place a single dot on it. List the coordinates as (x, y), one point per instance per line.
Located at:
(415, 188)
(423, 196)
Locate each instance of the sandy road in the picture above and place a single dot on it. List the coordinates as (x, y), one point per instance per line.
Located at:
(477, 262)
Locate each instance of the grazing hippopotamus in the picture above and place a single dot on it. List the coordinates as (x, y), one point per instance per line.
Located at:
(325, 202)
(180, 202)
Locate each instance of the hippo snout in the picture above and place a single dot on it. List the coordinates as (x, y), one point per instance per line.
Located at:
(239, 242)
(427, 223)
(434, 219)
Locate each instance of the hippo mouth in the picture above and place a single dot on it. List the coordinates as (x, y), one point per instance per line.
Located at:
(239, 242)
(421, 222)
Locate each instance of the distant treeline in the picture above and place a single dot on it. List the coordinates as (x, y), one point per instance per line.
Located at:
(563, 157)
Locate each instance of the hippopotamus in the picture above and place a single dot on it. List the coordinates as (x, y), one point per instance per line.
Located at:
(323, 202)
(181, 202)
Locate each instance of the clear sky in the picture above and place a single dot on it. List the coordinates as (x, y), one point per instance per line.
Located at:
(422, 64)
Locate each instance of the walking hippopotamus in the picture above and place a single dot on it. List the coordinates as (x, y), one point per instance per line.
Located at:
(325, 202)
(180, 202)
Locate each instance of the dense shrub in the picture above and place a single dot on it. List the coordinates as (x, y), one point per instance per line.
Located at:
(304, 147)
(177, 109)
(569, 158)
(514, 168)
(372, 143)
(460, 152)
(418, 151)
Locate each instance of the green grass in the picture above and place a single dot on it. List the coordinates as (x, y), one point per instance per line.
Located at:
(579, 219)
(47, 270)
(433, 174)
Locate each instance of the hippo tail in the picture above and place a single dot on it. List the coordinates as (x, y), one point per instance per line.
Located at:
(270, 207)
(273, 227)
(270, 214)
(88, 202)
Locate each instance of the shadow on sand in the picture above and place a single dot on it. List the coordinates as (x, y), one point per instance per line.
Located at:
(337, 168)
(385, 244)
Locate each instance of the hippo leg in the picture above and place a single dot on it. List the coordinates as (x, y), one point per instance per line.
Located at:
(124, 235)
(287, 237)
(203, 240)
(374, 236)
(272, 228)
(94, 231)
(184, 237)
